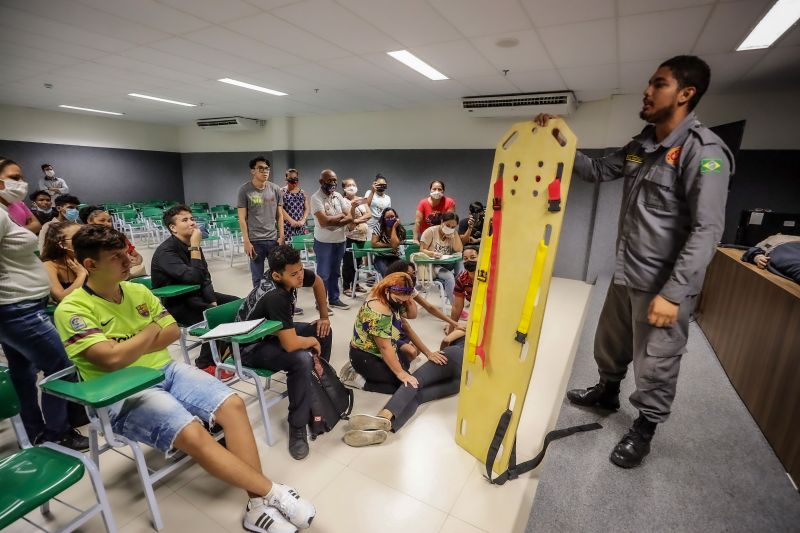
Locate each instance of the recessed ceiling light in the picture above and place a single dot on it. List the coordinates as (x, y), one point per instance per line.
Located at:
(91, 110)
(511, 42)
(777, 20)
(412, 61)
(165, 100)
(252, 87)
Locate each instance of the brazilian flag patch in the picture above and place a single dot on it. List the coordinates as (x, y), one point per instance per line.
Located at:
(710, 165)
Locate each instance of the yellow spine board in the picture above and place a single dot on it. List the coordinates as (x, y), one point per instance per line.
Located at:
(525, 254)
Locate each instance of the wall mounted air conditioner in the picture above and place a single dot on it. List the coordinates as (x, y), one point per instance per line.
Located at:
(230, 123)
(520, 105)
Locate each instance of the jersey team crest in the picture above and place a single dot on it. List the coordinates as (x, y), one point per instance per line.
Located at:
(143, 310)
(673, 155)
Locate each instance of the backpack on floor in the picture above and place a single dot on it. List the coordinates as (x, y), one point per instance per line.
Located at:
(331, 401)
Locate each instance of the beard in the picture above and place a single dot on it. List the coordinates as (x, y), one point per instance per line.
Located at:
(657, 116)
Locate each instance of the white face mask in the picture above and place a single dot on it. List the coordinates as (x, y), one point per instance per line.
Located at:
(436, 194)
(351, 189)
(15, 191)
(447, 230)
(49, 173)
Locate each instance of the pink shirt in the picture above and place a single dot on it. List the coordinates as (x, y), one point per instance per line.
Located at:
(19, 213)
(431, 216)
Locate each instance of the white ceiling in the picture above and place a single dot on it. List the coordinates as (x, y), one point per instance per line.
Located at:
(330, 55)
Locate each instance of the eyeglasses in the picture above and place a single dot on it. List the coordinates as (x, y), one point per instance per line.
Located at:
(262, 169)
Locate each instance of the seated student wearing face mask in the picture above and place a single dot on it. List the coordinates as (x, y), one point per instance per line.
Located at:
(440, 240)
(42, 207)
(66, 211)
(462, 293)
(471, 228)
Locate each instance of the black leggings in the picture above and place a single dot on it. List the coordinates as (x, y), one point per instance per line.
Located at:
(435, 382)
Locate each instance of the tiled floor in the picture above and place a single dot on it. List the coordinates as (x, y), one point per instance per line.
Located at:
(419, 481)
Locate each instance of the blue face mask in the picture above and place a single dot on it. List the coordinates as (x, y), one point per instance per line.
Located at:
(71, 214)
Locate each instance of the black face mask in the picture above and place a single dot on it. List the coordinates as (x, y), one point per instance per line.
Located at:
(293, 180)
(470, 266)
(381, 187)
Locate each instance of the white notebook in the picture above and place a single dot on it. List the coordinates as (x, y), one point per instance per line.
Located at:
(232, 328)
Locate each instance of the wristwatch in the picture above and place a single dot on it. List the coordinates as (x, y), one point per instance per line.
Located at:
(194, 249)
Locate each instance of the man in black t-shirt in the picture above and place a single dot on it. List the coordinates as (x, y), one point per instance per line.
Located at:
(297, 346)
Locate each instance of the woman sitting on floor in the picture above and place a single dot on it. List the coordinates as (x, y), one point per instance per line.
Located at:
(387, 240)
(63, 270)
(374, 355)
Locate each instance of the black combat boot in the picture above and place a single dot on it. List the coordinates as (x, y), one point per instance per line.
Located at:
(635, 445)
(604, 395)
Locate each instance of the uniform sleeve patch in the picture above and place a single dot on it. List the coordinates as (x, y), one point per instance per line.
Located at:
(77, 323)
(710, 165)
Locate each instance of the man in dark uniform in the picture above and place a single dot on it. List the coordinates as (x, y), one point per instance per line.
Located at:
(676, 175)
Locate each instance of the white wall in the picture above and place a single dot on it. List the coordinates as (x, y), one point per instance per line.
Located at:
(770, 125)
(55, 127)
(771, 120)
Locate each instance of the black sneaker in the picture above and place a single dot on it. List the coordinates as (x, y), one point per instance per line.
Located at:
(338, 304)
(298, 442)
(74, 440)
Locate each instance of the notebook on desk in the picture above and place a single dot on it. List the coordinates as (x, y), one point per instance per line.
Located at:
(232, 329)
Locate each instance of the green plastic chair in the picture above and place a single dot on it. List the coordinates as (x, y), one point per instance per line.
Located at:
(34, 475)
(305, 245)
(96, 396)
(260, 377)
(362, 250)
(231, 235)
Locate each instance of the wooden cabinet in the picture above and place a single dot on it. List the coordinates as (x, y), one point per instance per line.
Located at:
(751, 317)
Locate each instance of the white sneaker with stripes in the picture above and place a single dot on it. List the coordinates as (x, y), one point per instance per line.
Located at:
(262, 518)
(297, 510)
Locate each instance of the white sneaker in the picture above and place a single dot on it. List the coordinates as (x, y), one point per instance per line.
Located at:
(265, 519)
(354, 380)
(347, 371)
(298, 511)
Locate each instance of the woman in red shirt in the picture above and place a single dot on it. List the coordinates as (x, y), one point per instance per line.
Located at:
(431, 209)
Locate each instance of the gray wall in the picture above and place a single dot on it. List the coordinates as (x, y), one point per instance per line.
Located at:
(215, 178)
(97, 175)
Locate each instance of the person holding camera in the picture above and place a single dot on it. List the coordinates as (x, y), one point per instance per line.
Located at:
(470, 228)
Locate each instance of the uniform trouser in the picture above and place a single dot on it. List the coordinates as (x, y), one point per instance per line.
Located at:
(624, 335)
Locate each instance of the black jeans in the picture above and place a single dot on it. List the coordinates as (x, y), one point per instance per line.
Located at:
(189, 315)
(378, 375)
(348, 269)
(298, 364)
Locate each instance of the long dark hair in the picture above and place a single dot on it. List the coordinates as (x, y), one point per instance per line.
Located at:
(385, 233)
(52, 249)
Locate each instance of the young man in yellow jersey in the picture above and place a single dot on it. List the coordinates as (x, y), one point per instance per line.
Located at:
(110, 324)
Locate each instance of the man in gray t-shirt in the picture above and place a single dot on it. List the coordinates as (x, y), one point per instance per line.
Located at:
(260, 219)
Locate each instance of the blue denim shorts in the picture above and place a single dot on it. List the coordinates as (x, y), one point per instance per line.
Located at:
(156, 415)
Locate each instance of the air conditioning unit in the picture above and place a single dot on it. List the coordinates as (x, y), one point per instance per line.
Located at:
(520, 105)
(230, 123)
